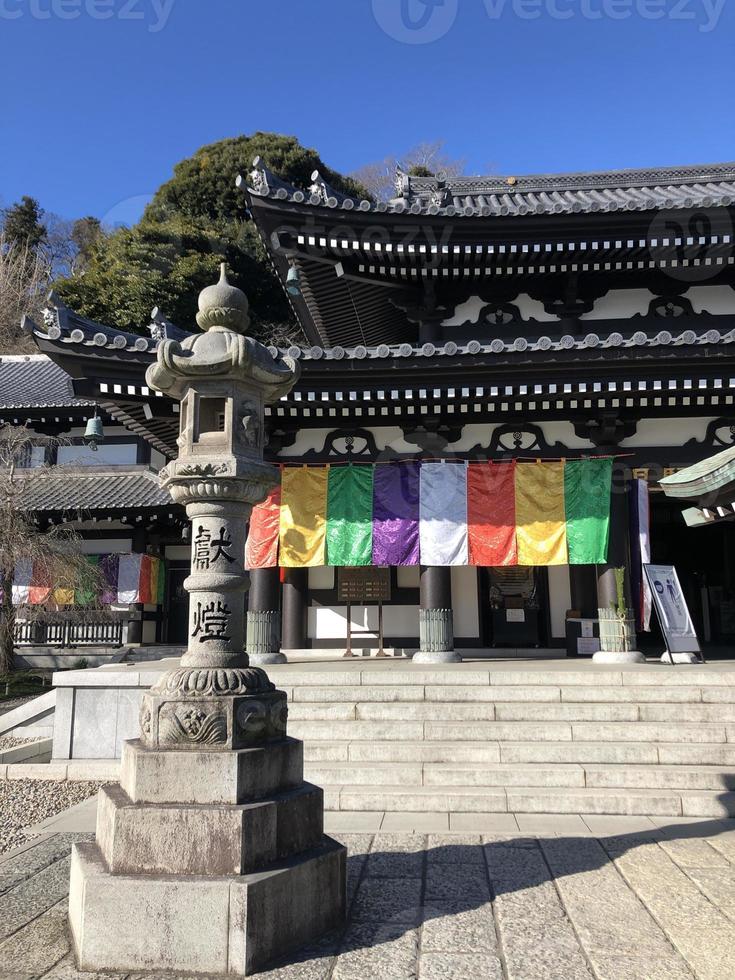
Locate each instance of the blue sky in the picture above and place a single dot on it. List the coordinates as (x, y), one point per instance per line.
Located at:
(100, 98)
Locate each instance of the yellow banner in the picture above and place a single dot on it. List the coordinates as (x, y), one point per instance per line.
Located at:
(303, 524)
(540, 517)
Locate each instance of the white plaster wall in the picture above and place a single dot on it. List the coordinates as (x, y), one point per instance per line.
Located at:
(465, 602)
(322, 577)
(106, 455)
(560, 599)
(533, 309)
(330, 622)
(717, 300)
(620, 304)
(104, 546)
(469, 311)
(476, 434)
(149, 630)
(313, 439)
(178, 552)
(408, 576)
(666, 432)
(158, 460)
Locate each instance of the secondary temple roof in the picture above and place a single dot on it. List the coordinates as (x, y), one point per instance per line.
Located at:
(662, 188)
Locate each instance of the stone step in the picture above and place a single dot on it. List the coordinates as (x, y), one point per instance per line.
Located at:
(449, 693)
(520, 753)
(429, 799)
(520, 711)
(508, 731)
(330, 774)
(469, 675)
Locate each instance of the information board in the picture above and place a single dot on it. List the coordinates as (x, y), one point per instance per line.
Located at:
(672, 610)
(360, 586)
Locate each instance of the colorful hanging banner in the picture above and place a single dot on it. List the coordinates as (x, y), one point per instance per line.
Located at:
(350, 515)
(86, 593)
(443, 514)
(128, 581)
(22, 577)
(110, 566)
(486, 514)
(491, 514)
(396, 514)
(261, 548)
(303, 516)
(587, 486)
(540, 518)
(41, 584)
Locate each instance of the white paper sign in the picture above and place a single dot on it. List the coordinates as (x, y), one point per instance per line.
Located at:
(672, 609)
(515, 616)
(588, 627)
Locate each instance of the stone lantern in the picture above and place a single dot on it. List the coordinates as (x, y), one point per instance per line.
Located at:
(210, 856)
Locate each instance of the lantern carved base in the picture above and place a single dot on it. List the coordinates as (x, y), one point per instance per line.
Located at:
(212, 844)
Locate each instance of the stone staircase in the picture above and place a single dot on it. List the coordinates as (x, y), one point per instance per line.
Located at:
(580, 738)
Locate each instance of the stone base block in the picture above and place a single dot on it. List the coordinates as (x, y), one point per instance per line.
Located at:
(680, 658)
(265, 659)
(235, 925)
(619, 657)
(148, 838)
(181, 776)
(436, 657)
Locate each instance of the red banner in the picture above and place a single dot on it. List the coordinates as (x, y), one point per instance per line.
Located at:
(261, 550)
(491, 514)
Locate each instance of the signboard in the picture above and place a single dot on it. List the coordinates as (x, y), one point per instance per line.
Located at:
(358, 586)
(671, 607)
(515, 615)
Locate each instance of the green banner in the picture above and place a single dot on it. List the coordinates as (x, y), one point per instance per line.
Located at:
(587, 487)
(350, 515)
(86, 591)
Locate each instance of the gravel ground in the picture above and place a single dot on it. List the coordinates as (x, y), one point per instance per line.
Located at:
(12, 742)
(6, 706)
(25, 802)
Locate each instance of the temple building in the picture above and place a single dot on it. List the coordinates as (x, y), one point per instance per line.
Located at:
(540, 321)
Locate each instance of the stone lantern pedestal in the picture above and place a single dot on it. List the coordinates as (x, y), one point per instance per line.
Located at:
(210, 856)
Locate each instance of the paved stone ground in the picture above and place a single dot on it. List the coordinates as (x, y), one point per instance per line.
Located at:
(655, 904)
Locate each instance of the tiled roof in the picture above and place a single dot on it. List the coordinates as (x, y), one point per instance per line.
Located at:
(91, 489)
(665, 188)
(34, 381)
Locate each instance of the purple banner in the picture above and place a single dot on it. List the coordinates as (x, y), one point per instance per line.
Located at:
(110, 565)
(396, 514)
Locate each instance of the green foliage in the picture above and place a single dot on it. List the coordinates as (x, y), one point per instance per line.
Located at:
(195, 221)
(23, 225)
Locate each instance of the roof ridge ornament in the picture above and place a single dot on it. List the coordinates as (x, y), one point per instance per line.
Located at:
(324, 191)
(262, 181)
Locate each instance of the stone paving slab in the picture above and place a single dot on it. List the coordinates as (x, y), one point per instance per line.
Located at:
(641, 903)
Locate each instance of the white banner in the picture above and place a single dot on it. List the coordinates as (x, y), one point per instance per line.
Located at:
(128, 579)
(443, 512)
(672, 609)
(644, 542)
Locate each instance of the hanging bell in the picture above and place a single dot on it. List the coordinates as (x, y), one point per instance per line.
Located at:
(293, 282)
(94, 434)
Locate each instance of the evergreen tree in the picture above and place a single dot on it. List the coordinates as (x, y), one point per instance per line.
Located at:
(23, 225)
(195, 221)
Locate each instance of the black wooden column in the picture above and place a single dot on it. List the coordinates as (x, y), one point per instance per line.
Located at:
(263, 643)
(436, 625)
(618, 556)
(295, 595)
(583, 589)
(618, 553)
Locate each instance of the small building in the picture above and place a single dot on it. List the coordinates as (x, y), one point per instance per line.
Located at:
(515, 318)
